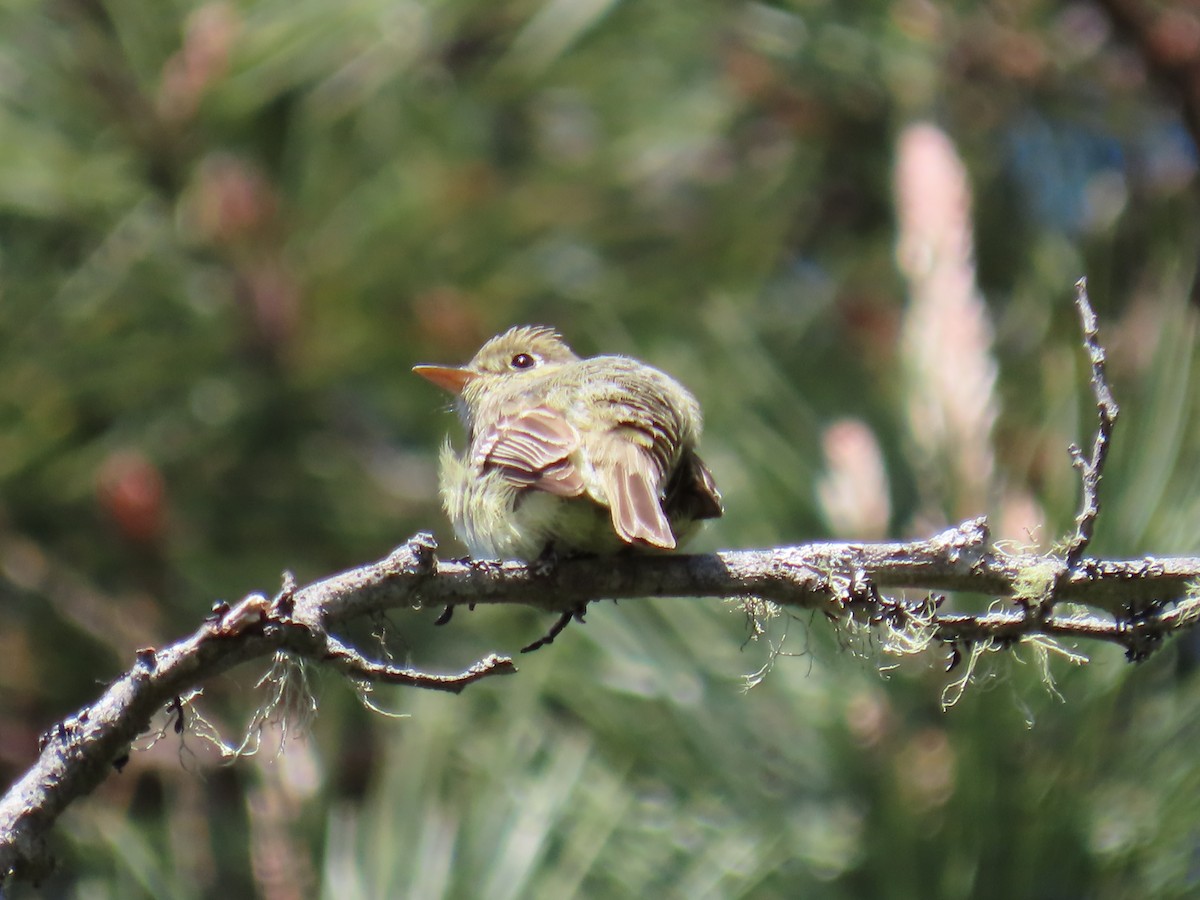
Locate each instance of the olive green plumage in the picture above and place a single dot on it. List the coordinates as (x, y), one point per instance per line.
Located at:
(575, 455)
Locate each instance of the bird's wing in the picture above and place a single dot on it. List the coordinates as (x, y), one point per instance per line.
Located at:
(532, 448)
(692, 492)
(630, 475)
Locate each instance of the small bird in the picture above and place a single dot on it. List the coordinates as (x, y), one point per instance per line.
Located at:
(568, 455)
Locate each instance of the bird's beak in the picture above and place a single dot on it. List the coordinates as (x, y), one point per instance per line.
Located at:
(451, 378)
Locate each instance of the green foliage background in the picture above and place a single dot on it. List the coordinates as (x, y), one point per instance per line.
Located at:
(227, 230)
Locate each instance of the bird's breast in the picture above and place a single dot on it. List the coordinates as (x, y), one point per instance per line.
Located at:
(497, 519)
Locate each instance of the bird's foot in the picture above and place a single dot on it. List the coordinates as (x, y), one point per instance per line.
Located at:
(546, 561)
(550, 557)
(448, 613)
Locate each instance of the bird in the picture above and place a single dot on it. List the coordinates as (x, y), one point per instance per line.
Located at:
(570, 456)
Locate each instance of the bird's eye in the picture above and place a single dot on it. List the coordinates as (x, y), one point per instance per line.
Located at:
(522, 361)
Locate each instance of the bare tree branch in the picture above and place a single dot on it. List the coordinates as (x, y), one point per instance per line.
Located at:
(1128, 601)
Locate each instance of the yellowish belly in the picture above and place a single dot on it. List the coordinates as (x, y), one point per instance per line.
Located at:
(499, 520)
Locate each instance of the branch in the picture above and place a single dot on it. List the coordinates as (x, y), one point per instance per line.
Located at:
(76, 754)
(1129, 600)
(1091, 468)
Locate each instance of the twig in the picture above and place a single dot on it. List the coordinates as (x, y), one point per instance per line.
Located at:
(1091, 468)
(354, 664)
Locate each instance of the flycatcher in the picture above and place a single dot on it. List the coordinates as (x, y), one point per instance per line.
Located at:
(570, 455)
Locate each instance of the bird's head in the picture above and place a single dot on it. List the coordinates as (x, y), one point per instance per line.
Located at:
(502, 365)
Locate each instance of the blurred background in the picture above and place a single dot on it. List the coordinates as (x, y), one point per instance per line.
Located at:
(228, 230)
